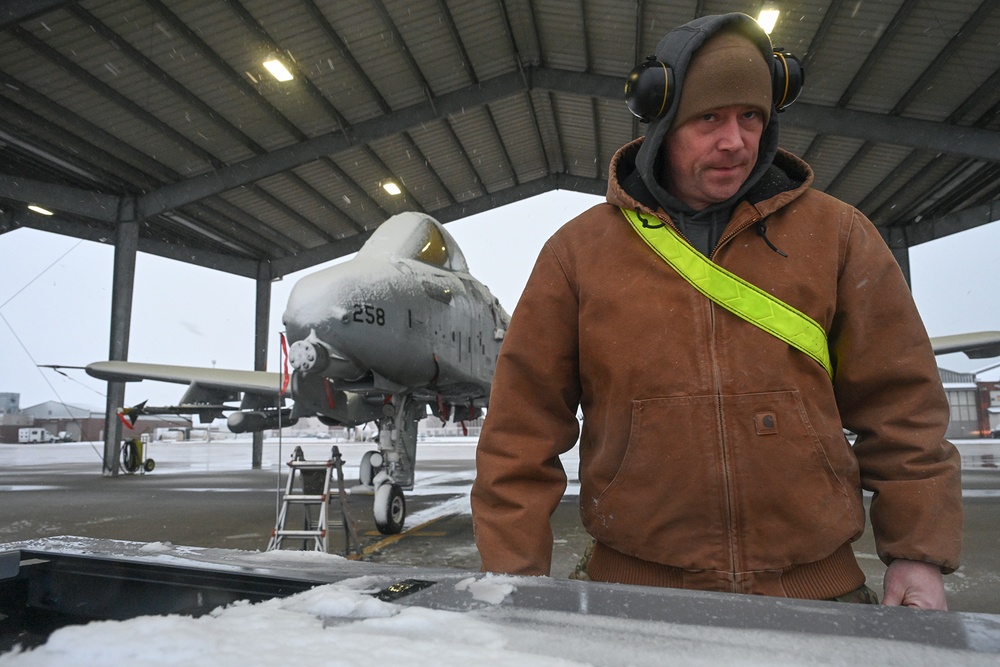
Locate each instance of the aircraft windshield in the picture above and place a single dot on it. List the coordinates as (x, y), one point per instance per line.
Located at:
(416, 236)
(434, 251)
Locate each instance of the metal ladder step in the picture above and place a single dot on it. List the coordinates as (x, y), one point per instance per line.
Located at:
(308, 465)
(300, 533)
(304, 499)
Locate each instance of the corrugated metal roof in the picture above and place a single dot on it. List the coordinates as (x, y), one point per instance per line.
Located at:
(162, 109)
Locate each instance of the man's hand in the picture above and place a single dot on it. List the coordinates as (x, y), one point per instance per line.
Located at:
(912, 583)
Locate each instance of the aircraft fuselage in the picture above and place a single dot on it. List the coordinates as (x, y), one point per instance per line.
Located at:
(400, 318)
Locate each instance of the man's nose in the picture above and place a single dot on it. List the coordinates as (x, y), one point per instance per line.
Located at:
(729, 135)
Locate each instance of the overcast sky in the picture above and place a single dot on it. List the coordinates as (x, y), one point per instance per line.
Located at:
(55, 300)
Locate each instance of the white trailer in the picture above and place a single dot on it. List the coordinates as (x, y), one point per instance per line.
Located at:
(34, 434)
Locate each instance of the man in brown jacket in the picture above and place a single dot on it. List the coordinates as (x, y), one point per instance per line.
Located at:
(712, 451)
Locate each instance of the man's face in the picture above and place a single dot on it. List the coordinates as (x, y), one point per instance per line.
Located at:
(710, 156)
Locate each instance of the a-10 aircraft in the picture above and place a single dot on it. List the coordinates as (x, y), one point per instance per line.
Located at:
(401, 328)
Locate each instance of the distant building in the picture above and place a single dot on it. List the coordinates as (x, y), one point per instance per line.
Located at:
(56, 411)
(989, 407)
(11, 419)
(10, 404)
(975, 406)
(74, 422)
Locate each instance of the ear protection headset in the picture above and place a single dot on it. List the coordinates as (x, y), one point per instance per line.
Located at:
(649, 88)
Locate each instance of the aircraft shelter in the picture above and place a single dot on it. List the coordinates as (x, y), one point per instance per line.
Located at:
(154, 125)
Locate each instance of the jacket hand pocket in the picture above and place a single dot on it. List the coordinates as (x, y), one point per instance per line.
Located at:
(790, 505)
(725, 482)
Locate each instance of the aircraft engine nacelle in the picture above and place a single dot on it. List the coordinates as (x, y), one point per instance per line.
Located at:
(254, 420)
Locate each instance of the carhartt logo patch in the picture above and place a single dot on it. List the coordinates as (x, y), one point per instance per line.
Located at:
(766, 423)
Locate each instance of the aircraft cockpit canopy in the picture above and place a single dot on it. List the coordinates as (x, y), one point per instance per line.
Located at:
(416, 236)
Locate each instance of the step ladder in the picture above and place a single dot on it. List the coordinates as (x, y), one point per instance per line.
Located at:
(315, 492)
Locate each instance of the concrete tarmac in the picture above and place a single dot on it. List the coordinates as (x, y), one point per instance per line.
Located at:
(204, 494)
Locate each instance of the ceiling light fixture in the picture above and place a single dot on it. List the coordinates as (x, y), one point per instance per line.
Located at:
(392, 188)
(767, 19)
(278, 70)
(39, 209)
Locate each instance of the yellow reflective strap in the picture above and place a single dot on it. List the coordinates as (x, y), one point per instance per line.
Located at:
(743, 299)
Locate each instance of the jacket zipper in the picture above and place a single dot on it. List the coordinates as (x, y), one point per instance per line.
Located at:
(734, 585)
(724, 457)
(735, 582)
(752, 220)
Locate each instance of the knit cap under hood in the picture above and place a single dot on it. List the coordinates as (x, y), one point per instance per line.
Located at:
(677, 49)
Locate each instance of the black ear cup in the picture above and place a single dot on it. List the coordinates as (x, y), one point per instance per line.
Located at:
(787, 79)
(649, 89)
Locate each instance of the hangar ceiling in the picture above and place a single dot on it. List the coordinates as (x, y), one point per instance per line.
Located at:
(160, 112)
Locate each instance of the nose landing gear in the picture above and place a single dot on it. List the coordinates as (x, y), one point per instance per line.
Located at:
(390, 470)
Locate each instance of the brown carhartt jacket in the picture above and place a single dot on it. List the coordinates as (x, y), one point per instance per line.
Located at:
(712, 454)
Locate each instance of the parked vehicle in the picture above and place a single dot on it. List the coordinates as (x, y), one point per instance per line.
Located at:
(34, 434)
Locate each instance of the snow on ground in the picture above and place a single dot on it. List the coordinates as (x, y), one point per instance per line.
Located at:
(234, 453)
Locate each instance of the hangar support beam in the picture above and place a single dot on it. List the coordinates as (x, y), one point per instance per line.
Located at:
(595, 186)
(901, 239)
(261, 326)
(929, 230)
(895, 238)
(88, 203)
(126, 247)
(923, 135)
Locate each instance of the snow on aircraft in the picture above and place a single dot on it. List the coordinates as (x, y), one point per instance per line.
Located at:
(400, 328)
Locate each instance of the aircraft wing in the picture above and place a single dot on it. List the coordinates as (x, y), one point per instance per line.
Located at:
(204, 384)
(976, 345)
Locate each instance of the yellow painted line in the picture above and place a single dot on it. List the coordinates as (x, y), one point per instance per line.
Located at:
(392, 539)
(416, 532)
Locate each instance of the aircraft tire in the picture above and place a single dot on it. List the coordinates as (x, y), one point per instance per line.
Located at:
(390, 509)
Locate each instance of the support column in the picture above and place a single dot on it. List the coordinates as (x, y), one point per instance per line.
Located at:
(262, 323)
(896, 239)
(122, 288)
